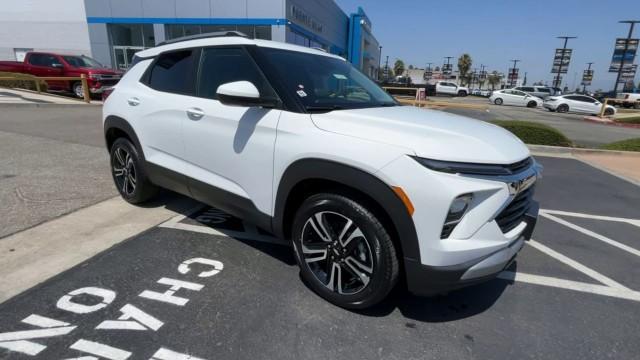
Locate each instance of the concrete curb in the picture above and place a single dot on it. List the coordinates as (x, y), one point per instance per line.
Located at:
(558, 150)
(597, 120)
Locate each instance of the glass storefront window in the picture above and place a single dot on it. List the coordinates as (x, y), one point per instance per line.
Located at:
(132, 35)
(173, 31)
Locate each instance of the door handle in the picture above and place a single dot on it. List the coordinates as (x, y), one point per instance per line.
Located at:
(133, 101)
(195, 113)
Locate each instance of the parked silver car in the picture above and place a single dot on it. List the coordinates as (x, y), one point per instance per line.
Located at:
(539, 91)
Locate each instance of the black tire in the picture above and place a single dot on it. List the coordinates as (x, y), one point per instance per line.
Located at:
(128, 173)
(562, 108)
(462, 93)
(497, 101)
(77, 90)
(532, 104)
(608, 111)
(364, 281)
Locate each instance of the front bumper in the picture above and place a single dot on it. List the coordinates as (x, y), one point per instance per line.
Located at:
(427, 280)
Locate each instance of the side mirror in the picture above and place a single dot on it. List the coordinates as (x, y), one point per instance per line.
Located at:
(242, 93)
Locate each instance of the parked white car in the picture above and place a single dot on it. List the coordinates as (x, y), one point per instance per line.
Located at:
(450, 88)
(302, 144)
(515, 97)
(576, 103)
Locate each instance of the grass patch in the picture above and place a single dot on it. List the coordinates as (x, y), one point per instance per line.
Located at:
(624, 145)
(535, 133)
(24, 81)
(629, 120)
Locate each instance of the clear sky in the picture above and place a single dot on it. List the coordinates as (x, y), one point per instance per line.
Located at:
(494, 31)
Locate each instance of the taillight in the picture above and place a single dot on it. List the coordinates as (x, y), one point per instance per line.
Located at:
(107, 92)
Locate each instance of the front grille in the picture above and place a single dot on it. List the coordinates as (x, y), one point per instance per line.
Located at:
(519, 166)
(513, 214)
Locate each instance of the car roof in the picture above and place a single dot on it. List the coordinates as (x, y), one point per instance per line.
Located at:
(230, 40)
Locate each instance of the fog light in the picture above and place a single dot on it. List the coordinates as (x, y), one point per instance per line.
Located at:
(458, 208)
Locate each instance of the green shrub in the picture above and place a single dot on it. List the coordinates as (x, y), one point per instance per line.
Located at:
(24, 81)
(629, 120)
(535, 133)
(624, 145)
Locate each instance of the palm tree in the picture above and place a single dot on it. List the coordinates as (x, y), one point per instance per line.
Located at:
(464, 64)
(398, 67)
(493, 79)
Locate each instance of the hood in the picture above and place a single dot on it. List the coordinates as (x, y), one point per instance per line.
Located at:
(429, 133)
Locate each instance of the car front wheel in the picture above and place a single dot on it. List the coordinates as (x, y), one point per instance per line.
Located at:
(497, 101)
(128, 173)
(78, 90)
(563, 108)
(344, 252)
(532, 104)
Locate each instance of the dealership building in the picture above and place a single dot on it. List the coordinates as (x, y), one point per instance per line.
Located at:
(111, 31)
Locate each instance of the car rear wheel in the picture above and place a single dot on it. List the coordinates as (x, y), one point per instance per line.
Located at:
(78, 90)
(344, 252)
(128, 173)
(532, 104)
(563, 108)
(497, 101)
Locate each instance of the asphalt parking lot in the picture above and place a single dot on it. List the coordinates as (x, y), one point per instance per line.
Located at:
(213, 287)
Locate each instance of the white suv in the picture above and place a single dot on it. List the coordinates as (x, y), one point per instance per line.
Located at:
(300, 143)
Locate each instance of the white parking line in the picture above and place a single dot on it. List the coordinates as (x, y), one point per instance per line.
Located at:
(602, 238)
(571, 285)
(635, 222)
(576, 265)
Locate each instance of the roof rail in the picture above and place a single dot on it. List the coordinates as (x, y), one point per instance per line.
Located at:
(204, 36)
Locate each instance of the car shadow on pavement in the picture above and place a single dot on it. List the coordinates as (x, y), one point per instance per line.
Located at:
(455, 305)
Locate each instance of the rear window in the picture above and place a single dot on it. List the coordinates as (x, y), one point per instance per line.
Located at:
(173, 73)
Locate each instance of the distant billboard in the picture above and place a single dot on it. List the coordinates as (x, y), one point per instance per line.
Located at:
(513, 74)
(587, 77)
(447, 69)
(624, 50)
(561, 61)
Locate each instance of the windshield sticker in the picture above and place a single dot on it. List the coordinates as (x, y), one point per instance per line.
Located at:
(339, 76)
(301, 93)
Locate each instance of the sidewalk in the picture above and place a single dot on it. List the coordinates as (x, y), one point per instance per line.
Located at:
(26, 97)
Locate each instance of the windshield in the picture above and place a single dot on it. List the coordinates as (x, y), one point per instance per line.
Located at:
(323, 83)
(82, 62)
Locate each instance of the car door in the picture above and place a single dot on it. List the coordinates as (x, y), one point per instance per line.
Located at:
(167, 90)
(229, 149)
(577, 104)
(591, 105)
(510, 98)
(45, 65)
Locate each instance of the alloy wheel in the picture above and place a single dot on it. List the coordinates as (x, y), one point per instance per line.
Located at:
(78, 90)
(124, 171)
(337, 252)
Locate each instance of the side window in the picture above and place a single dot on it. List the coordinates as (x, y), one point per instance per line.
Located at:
(172, 72)
(575, 98)
(544, 90)
(587, 99)
(35, 59)
(529, 89)
(50, 61)
(223, 65)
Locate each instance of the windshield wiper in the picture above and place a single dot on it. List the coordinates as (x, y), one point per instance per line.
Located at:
(322, 108)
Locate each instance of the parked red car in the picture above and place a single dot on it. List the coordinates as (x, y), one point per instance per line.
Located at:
(49, 64)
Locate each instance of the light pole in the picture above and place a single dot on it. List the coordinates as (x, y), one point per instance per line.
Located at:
(626, 47)
(379, 61)
(483, 76)
(557, 81)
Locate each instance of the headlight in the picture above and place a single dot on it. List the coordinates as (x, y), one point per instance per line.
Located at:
(452, 167)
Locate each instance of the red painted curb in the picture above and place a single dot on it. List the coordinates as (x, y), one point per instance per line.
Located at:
(593, 119)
